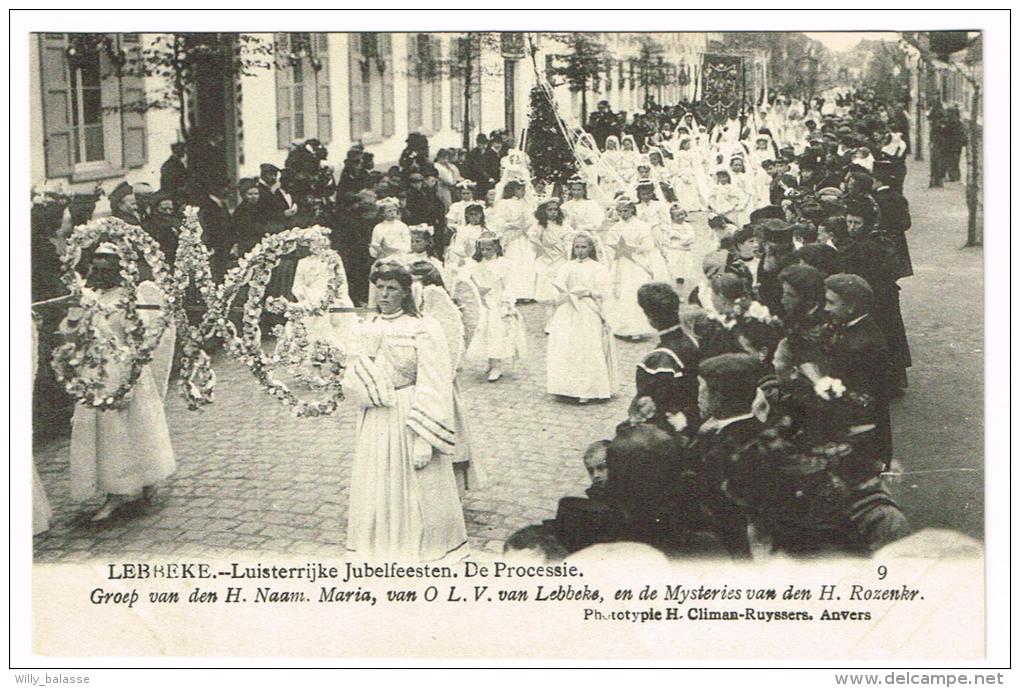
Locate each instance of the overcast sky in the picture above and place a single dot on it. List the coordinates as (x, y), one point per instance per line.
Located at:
(845, 40)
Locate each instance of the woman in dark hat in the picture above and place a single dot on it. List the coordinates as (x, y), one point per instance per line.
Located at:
(248, 224)
(163, 225)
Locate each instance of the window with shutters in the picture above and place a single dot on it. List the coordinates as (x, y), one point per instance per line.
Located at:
(87, 110)
(93, 108)
(370, 66)
(303, 109)
(424, 83)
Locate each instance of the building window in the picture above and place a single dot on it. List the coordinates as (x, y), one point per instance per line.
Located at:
(302, 88)
(93, 109)
(424, 83)
(87, 110)
(371, 85)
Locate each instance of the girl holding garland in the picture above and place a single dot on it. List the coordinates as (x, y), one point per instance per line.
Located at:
(121, 453)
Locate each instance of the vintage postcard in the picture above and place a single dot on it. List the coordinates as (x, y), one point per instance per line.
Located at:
(618, 342)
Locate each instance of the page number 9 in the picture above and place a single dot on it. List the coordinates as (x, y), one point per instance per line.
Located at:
(882, 572)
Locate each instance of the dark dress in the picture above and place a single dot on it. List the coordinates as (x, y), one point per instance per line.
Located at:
(873, 257)
(894, 211)
(217, 234)
(173, 180)
(248, 226)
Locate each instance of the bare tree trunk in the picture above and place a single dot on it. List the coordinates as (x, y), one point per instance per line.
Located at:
(584, 102)
(919, 108)
(975, 228)
(182, 103)
(468, 76)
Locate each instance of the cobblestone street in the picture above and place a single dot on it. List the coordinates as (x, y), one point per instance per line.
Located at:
(252, 477)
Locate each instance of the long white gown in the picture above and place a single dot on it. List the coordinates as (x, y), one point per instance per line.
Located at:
(679, 247)
(550, 255)
(499, 333)
(581, 360)
(121, 451)
(511, 219)
(636, 261)
(397, 511)
(688, 182)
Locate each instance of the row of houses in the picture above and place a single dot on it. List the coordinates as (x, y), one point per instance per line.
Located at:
(97, 121)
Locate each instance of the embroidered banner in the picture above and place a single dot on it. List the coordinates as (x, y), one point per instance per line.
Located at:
(721, 88)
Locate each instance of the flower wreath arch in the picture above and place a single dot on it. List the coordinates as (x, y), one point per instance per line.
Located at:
(82, 363)
(192, 268)
(255, 270)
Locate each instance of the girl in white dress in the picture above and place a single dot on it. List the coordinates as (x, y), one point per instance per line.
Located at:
(661, 174)
(629, 158)
(122, 453)
(744, 181)
(390, 237)
(612, 179)
(581, 213)
(679, 244)
(688, 184)
(404, 504)
(462, 243)
(510, 220)
(422, 247)
(636, 261)
(499, 336)
(581, 360)
(649, 208)
(311, 278)
(548, 236)
(726, 199)
(465, 197)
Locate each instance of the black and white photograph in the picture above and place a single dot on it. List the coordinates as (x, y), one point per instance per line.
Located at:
(412, 305)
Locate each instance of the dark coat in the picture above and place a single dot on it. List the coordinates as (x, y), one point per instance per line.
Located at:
(710, 455)
(248, 225)
(770, 289)
(894, 211)
(423, 206)
(669, 376)
(217, 233)
(173, 180)
(164, 231)
(272, 204)
(874, 258)
(489, 169)
(473, 166)
(860, 358)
